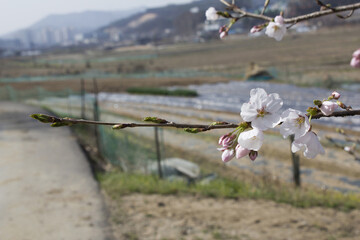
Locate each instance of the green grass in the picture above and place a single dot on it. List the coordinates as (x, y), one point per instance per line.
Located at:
(118, 184)
(162, 91)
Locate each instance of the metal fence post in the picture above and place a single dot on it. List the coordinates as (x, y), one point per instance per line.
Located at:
(96, 116)
(296, 164)
(158, 152)
(82, 98)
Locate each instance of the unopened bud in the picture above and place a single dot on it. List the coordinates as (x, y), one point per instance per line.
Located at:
(328, 107)
(335, 95)
(317, 103)
(257, 28)
(43, 118)
(218, 123)
(119, 126)
(154, 120)
(222, 29)
(223, 34)
(241, 152)
(343, 106)
(61, 124)
(312, 111)
(253, 155)
(193, 130)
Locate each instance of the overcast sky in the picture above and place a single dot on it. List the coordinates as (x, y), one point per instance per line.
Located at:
(18, 14)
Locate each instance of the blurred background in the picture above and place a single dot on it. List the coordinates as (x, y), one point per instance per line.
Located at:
(121, 61)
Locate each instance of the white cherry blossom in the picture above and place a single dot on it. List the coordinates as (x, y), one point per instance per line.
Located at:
(251, 140)
(311, 144)
(262, 110)
(276, 29)
(211, 14)
(294, 122)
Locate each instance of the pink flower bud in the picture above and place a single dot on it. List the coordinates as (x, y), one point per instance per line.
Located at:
(255, 29)
(279, 19)
(241, 152)
(253, 155)
(222, 29)
(335, 95)
(328, 107)
(355, 62)
(227, 155)
(223, 34)
(227, 140)
(356, 54)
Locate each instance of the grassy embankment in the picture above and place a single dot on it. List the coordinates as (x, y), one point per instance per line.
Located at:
(117, 184)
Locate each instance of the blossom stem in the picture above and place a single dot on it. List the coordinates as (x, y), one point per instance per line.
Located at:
(201, 127)
(294, 20)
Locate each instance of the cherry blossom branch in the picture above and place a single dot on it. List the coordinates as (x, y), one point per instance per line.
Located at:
(294, 20)
(156, 122)
(347, 113)
(193, 128)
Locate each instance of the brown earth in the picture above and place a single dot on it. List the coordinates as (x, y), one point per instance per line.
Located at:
(183, 217)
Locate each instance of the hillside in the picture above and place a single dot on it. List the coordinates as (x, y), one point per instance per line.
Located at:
(60, 29)
(173, 20)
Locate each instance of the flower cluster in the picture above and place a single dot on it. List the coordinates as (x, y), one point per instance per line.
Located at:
(261, 113)
(355, 61)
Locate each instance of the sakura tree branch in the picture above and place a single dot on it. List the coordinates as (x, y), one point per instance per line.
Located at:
(294, 20)
(350, 7)
(347, 113)
(192, 128)
(157, 122)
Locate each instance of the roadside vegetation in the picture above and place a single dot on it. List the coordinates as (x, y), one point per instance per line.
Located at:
(228, 185)
(118, 184)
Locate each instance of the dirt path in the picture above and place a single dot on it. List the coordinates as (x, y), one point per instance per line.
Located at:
(47, 190)
(166, 217)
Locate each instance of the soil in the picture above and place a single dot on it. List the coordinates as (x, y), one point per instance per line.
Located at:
(186, 217)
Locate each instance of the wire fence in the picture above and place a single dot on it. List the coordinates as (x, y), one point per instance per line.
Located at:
(132, 151)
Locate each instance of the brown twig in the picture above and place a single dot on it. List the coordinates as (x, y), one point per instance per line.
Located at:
(69, 121)
(294, 20)
(265, 6)
(347, 113)
(189, 127)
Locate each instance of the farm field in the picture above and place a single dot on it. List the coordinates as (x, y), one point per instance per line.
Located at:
(312, 59)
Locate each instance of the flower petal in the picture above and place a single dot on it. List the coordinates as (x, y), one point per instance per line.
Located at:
(273, 103)
(252, 139)
(248, 112)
